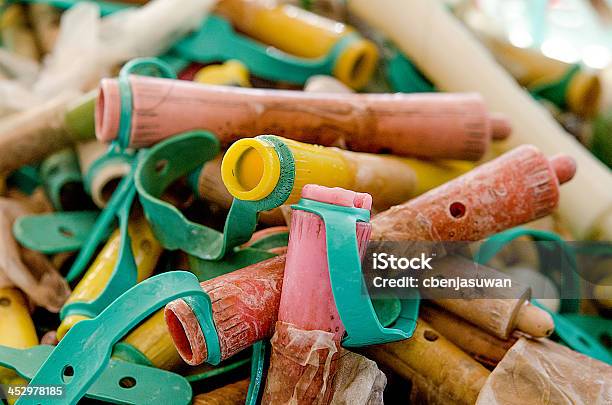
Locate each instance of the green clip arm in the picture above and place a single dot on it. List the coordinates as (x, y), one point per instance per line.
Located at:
(180, 155)
(356, 312)
(217, 41)
(125, 272)
(122, 197)
(565, 330)
(57, 171)
(86, 348)
(569, 280)
(57, 232)
(151, 385)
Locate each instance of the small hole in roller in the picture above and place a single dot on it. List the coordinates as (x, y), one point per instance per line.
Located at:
(430, 336)
(127, 382)
(457, 209)
(5, 302)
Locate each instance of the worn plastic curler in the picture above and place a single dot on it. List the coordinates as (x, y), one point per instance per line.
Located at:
(62, 180)
(111, 273)
(89, 370)
(573, 334)
(306, 35)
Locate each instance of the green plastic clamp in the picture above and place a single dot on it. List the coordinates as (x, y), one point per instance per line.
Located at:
(178, 156)
(569, 280)
(56, 172)
(118, 205)
(217, 41)
(112, 157)
(556, 92)
(576, 337)
(569, 333)
(56, 232)
(122, 198)
(114, 385)
(596, 326)
(357, 314)
(86, 348)
(26, 179)
(125, 272)
(401, 73)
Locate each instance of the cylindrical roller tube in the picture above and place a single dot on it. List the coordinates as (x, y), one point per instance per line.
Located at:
(550, 78)
(245, 307)
(101, 173)
(149, 343)
(146, 251)
(30, 136)
(439, 371)
(325, 84)
(485, 348)
(420, 26)
(515, 188)
(208, 184)
(230, 73)
(15, 322)
(62, 180)
(454, 126)
(16, 35)
(230, 394)
(17, 331)
(305, 34)
(501, 314)
(252, 167)
(306, 341)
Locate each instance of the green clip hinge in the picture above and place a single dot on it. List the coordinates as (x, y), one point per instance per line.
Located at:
(357, 313)
(86, 349)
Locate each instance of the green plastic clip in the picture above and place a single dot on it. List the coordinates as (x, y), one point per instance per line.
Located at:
(26, 179)
(556, 92)
(358, 315)
(85, 350)
(401, 73)
(58, 172)
(56, 232)
(569, 282)
(568, 332)
(122, 198)
(577, 338)
(178, 156)
(119, 382)
(216, 41)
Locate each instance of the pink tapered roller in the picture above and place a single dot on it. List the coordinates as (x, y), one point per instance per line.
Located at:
(245, 306)
(306, 342)
(437, 125)
(516, 188)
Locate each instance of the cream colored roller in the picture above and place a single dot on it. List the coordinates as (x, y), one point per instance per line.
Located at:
(102, 180)
(446, 52)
